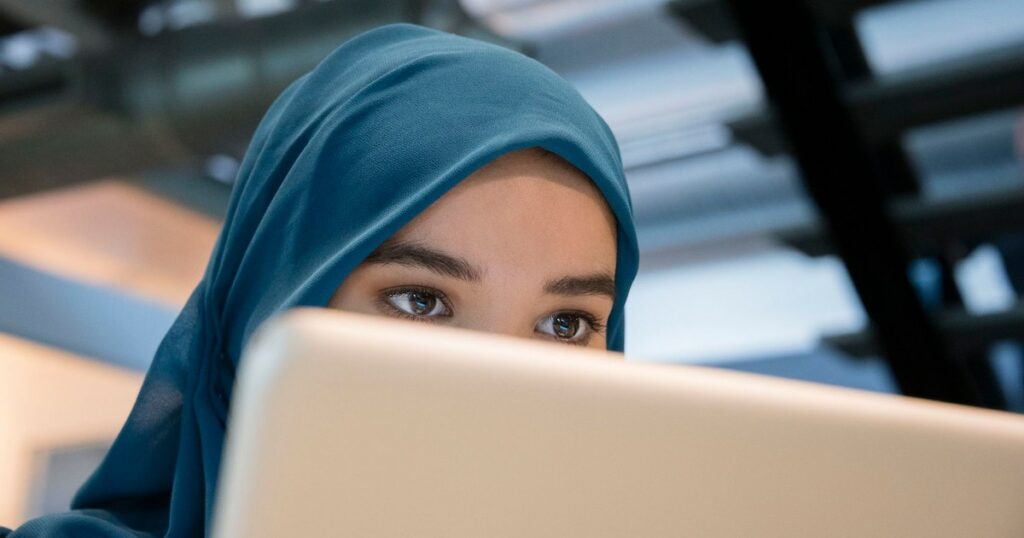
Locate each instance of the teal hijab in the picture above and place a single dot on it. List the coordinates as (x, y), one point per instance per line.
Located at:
(345, 156)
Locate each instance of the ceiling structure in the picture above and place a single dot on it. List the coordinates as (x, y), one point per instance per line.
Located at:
(164, 94)
(144, 86)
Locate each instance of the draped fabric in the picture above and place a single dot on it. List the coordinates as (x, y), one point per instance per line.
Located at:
(345, 156)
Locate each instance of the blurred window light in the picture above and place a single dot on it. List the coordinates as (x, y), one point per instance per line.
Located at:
(19, 51)
(486, 7)
(671, 103)
(967, 155)
(175, 15)
(56, 42)
(1008, 362)
(537, 19)
(152, 20)
(185, 13)
(671, 144)
(983, 282)
(910, 34)
(263, 8)
(773, 302)
(222, 168)
(926, 275)
(729, 185)
(24, 49)
(672, 87)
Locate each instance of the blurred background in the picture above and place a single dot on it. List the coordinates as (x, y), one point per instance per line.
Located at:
(828, 190)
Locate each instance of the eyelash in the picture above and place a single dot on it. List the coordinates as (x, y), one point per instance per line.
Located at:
(591, 319)
(593, 323)
(394, 292)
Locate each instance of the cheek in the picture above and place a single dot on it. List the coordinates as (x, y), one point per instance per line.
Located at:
(598, 342)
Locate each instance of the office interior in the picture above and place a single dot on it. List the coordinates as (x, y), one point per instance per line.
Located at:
(870, 238)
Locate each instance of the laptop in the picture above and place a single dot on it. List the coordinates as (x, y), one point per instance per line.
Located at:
(348, 425)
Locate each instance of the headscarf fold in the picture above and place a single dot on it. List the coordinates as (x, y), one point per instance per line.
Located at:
(345, 156)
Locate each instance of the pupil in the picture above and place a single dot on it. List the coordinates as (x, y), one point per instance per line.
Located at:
(566, 325)
(422, 303)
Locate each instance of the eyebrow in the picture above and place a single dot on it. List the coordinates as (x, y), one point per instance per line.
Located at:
(596, 284)
(415, 255)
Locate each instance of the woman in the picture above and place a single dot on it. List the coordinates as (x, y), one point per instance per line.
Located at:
(412, 173)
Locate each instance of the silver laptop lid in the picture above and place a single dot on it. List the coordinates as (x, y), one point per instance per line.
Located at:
(345, 425)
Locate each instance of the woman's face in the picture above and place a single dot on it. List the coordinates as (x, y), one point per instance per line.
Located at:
(523, 247)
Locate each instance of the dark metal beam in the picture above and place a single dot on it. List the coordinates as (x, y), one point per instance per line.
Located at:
(976, 360)
(929, 227)
(709, 17)
(712, 19)
(9, 26)
(885, 108)
(966, 333)
(759, 131)
(834, 10)
(836, 165)
(92, 33)
(847, 49)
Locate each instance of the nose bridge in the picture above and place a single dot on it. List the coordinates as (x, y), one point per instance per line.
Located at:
(505, 310)
(499, 319)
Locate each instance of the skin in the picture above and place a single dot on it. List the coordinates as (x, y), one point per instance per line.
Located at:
(525, 247)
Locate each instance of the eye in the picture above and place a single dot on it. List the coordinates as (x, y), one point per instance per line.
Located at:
(418, 303)
(570, 327)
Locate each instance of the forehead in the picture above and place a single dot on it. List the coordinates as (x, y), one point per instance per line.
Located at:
(525, 206)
